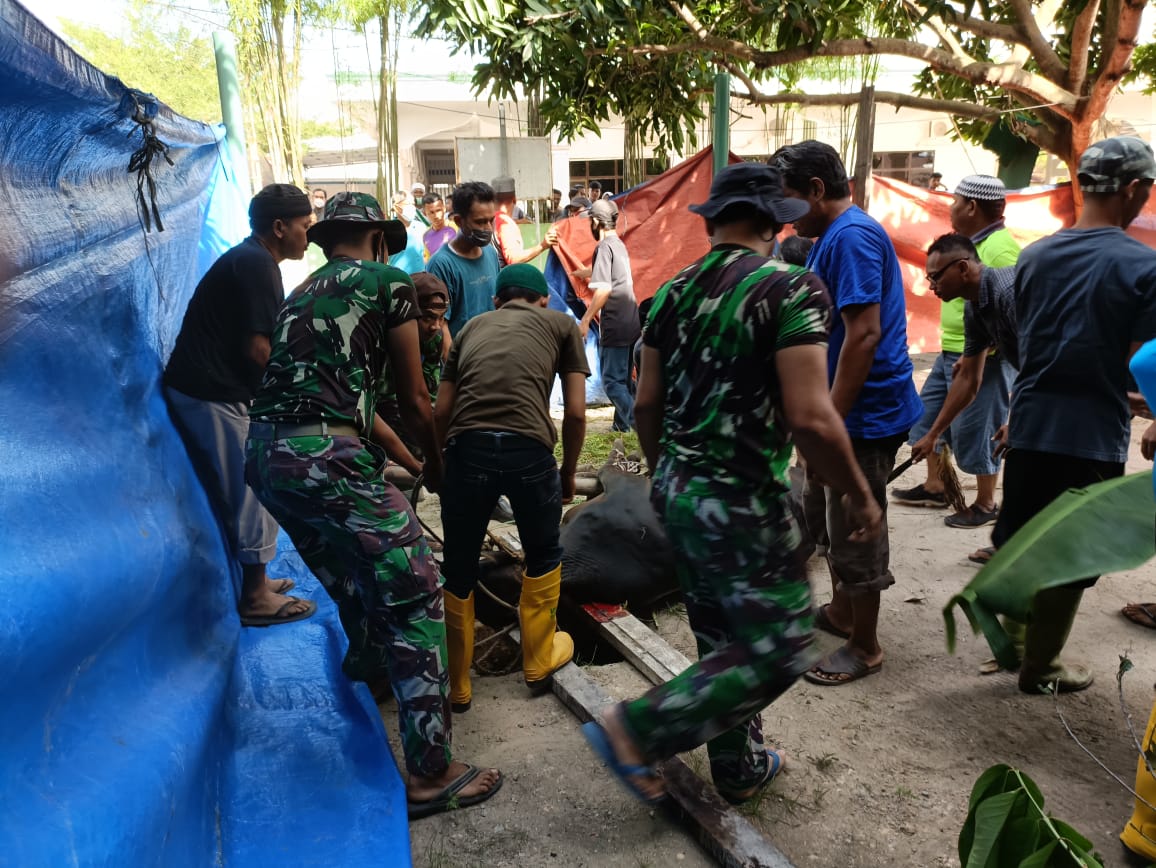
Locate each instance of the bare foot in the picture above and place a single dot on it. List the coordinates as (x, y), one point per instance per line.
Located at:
(627, 752)
(265, 604)
(421, 789)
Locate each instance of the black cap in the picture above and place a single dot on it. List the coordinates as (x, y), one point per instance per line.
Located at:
(754, 184)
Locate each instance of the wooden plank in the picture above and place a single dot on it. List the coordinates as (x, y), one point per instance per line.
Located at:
(725, 833)
(645, 649)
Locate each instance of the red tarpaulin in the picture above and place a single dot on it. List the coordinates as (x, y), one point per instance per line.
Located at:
(663, 237)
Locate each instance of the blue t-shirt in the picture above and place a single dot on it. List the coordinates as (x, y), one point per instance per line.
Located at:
(1143, 367)
(857, 261)
(412, 259)
(471, 283)
(1083, 297)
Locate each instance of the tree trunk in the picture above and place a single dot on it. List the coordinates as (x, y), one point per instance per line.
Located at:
(633, 161)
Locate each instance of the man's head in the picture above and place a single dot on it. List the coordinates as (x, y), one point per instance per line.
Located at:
(978, 202)
(555, 198)
(353, 220)
(748, 199)
(953, 267)
(595, 189)
(603, 217)
(521, 283)
(577, 206)
(280, 216)
(474, 209)
(417, 191)
(1116, 176)
(935, 180)
(319, 196)
(813, 173)
(794, 250)
(433, 300)
(504, 193)
(434, 209)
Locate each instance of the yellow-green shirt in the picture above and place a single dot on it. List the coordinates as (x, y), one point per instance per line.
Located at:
(996, 250)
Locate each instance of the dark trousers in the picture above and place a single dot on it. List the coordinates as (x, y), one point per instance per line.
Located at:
(480, 466)
(616, 364)
(1032, 480)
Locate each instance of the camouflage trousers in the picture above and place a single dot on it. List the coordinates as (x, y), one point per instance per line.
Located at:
(358, 535)
(749, 604)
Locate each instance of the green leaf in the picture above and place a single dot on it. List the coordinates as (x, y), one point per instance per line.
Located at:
(990, 782)
(1041, 858)
(990, 817)
(1072, 835)
(1020, 839)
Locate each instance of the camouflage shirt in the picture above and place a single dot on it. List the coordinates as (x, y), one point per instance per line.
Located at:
(329, 357)
(718, 325)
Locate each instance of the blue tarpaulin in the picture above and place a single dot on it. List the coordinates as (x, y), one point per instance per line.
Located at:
(139, 724)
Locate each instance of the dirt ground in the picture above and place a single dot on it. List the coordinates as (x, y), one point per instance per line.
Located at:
(879, 771)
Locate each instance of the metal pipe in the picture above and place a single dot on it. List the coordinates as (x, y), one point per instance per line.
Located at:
(721, 123)
(229, 85)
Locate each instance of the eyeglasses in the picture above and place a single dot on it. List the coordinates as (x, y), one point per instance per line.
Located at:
(933, 276)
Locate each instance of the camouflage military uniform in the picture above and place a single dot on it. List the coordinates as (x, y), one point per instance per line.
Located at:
(354, 530)
(721, 492)
(431, 368)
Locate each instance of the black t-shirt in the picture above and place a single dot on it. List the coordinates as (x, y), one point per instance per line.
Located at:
(237, 298)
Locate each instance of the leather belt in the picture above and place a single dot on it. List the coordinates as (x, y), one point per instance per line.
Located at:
(285, 430)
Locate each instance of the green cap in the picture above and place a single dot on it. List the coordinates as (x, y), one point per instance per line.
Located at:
(346, 208)
(523, 276)
(1113, 163)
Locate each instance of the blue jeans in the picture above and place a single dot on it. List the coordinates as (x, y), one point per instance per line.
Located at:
(480, 467)
(616, 364)
(969, 435)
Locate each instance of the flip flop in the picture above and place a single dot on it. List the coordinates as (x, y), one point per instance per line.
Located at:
(1143, 614)
(823, 622)
(598, 740)
(279, 617)
(840, 662)
(775, 764)
(281, 586)
(449, 800)
(981, 555)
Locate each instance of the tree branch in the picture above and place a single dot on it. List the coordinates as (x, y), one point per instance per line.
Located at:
(1081, 43)
(997, 74)
(1029, 29)
(899, 100)
(1117, 55)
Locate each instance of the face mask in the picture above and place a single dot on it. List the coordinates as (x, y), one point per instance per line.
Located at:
(595, 228)
(480, 237)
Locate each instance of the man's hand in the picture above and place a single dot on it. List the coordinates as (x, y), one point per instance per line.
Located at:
(955, 367)
(569, 486)
(551, 237)
(432, 471)
(1000, 441)
(1148, 443)
(866, 517)
(584, 328)
(1138, 406)
(582, 273)
(923, 447)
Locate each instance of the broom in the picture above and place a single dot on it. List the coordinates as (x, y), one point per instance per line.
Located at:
(952, 491)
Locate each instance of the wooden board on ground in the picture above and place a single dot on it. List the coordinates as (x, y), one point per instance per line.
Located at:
(645, 649)
(725, 833)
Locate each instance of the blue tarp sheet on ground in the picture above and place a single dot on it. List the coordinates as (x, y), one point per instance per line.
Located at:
(139, 724)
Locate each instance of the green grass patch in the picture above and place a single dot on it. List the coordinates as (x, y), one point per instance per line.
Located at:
(597, 446)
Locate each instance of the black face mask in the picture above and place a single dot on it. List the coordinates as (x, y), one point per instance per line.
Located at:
(596, 230)
(480, 237)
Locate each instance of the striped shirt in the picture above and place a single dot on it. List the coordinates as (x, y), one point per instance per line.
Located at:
(990, 321)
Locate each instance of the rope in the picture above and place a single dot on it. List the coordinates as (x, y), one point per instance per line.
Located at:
(142, 108)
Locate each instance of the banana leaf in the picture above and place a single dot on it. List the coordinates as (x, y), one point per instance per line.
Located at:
(1104, 528)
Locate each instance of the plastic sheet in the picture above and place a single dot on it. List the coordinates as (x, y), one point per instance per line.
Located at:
(140, 725)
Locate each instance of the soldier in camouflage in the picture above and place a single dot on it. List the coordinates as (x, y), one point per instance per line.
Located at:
(313, 462)
(734, 363)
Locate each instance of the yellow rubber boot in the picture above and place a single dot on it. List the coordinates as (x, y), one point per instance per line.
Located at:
(460, 647)
(1139, 833)
(544, 649)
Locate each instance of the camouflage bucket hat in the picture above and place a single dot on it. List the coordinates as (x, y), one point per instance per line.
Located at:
(343, 209)
(1108, 165)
